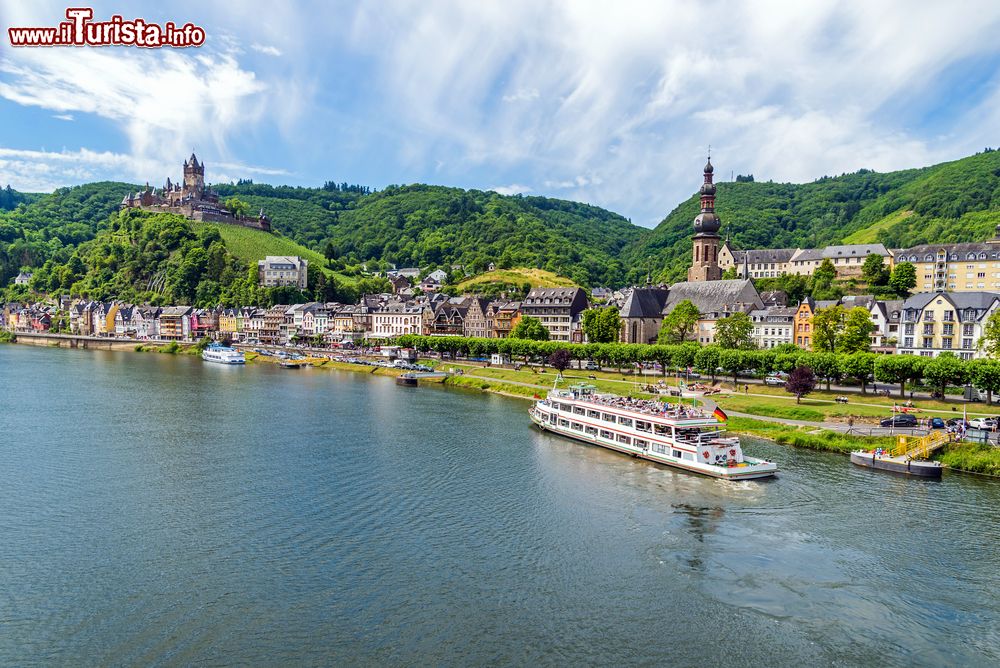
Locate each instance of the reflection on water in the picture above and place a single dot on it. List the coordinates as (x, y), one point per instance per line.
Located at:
(156, 509)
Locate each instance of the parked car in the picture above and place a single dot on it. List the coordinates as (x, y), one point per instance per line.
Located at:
(987, 423)
(901, 420)
(593, 366)
(957, 422)
(937, 423)
(774, 379)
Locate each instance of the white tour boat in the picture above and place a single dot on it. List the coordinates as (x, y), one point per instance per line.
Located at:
(222, 355)
(670, 434)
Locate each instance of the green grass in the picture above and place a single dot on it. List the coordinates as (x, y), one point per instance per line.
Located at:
(974, 457)
(538, 278)
(869, 235)
(251, 245)
(803, 437)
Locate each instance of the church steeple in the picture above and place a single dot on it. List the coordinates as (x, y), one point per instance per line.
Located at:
(705, 254)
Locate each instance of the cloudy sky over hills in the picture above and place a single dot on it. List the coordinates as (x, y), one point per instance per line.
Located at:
(612, 104)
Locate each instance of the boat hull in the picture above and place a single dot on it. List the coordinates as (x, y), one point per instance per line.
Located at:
(760, 468)
(900, 465)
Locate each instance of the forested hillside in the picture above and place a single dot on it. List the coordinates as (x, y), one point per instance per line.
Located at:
(428, 226)
(435, 226)
(955, 201)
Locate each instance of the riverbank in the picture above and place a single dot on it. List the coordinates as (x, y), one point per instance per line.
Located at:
(529, 382)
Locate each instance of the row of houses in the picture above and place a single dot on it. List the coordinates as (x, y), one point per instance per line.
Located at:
(376, 316)
(948, 267)
(926, 324)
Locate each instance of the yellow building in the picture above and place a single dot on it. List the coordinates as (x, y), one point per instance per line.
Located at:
(965, 267)
(933, 323)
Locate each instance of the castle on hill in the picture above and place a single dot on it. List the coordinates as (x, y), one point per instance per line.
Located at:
(191, 199)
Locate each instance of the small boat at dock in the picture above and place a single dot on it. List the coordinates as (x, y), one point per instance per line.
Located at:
(288, 364)
(909, 457)
(406, 380)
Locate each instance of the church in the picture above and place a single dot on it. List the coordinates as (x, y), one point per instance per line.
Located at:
(191, 199)
(644, 307)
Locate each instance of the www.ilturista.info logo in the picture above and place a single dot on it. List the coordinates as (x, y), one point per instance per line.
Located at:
(79, 30)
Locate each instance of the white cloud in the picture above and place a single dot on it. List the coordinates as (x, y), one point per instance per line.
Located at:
(630, 97)
(266, 49)
(165, 102)
(512, 189)
(522, 95)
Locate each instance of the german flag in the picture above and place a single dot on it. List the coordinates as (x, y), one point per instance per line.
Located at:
(720, 414)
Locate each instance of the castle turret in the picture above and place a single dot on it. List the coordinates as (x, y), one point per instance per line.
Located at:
(705, 254)
(194, 177)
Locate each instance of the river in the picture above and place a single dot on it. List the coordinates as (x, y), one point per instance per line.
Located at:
(159, 510)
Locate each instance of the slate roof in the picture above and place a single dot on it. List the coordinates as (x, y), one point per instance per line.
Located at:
(714, 296)
(644, 303)
(834, 252)
(764, 255)
(955, 252)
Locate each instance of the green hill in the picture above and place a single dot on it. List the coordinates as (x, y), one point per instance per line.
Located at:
(436, 226)
(251, 245)
(536, 278)
(953, 201)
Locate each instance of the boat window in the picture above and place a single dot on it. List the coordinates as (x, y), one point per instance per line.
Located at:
(579, 411)
(563, 423)
(622, 438)
(592, 431)
(676, 453)
(643, 426)
(639, 443)
(625, 421)
(577, 426)
(607, 434)
(608, 417)
(661, 429)
(594, 414)
(689, 456)
(660, 448)
(552, 418)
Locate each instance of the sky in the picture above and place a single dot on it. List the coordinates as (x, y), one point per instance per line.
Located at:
(613, 104)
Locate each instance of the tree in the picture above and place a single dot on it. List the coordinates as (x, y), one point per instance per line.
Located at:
(984, 374)
(859, 365)
(732, 361)
(734, 332)
(236, 206)
(827, 324)
(874, 271)
(679, 323)
(898, 369)
(801, 381)
(559, 360)
(989, 342)
(824, 365)
(706, 360)
(531, 329)
(945, 370)
(602, 325)
(855, 337)
(729, 274)
(822, 281)
(903, 279)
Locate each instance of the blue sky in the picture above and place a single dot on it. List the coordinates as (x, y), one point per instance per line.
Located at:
(607, 103)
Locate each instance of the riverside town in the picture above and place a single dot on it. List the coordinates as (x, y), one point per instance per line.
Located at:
(537, 334)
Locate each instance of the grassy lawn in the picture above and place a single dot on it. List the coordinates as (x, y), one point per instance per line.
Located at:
(251, 245)
(803, 437)
(538, 278)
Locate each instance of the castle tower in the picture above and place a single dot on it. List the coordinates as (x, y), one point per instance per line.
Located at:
(705, 254)
(194, 177)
